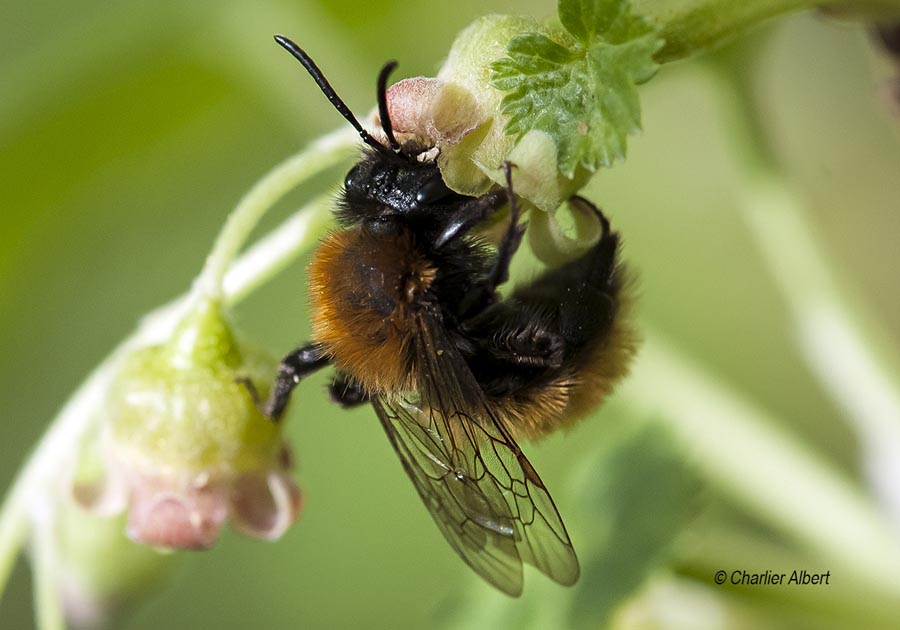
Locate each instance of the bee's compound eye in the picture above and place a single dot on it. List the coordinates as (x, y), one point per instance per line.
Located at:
(352, 180)
(433, 190)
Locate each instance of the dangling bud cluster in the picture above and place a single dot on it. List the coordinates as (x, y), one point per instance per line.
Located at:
(556, 99)
(186, 447)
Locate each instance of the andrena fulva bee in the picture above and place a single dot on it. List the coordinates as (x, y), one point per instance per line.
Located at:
(405, 307)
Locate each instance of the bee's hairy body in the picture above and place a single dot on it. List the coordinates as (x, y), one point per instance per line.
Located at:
(405, 305)
(365, 290)
(545, 356)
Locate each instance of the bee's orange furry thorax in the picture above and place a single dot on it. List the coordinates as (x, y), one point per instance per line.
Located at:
(364, 289)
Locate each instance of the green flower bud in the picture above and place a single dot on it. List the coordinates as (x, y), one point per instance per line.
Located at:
(186, 446)
(459, 113)
(469, 66)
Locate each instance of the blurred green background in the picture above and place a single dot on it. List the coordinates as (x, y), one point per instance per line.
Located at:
(129, 129)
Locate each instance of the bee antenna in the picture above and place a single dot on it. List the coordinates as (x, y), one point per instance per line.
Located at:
(311, 67)
(382, 104)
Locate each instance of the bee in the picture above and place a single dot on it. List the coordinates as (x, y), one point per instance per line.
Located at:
(405, 305)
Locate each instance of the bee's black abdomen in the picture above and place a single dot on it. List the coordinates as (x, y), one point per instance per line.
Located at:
(556, 346)
(578, 300)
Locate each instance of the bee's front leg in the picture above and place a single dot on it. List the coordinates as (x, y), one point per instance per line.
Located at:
(293, 367)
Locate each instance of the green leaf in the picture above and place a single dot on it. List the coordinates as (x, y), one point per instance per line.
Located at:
(579, 86)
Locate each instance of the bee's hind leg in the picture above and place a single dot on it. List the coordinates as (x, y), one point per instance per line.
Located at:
(554, 321)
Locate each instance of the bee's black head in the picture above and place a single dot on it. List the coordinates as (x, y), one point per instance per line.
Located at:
(382, 185)
(390, 188)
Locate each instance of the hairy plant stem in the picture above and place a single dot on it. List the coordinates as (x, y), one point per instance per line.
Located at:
(741, 448)
(690, 27)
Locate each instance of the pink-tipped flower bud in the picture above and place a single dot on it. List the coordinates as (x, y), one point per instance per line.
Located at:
(185, 446)
(459, 116)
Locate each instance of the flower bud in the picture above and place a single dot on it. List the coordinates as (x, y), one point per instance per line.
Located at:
(185, 445)
(459, 113)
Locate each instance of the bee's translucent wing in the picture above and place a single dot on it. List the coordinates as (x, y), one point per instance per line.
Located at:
(471, 513)
(484, 495)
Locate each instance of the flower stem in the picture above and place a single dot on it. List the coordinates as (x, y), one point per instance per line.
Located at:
(275, 251)
(752, 460)
(834, 331)
(13, 534)
(328, 151)
(47, 599)
(696, 26)
(690, 27)
(48, 461)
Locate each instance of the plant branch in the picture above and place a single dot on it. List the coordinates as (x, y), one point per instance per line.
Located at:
(328, 151)
(690, 27)
(751, 459)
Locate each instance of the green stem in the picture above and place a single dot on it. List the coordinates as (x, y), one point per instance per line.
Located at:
(48, 461)
(328, 151)
(13, 534)
(278, 249)
(48, 607)
(753, 460)
(696, 26)
(690, 27)
(853, 364)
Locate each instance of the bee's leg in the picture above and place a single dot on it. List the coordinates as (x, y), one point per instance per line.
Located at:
(550, 322)
(469, 215)
(512, 238)
(478, 210)
(585, 205)
(299, 363)
(346, 392)
(484, 294)
(526, 344)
